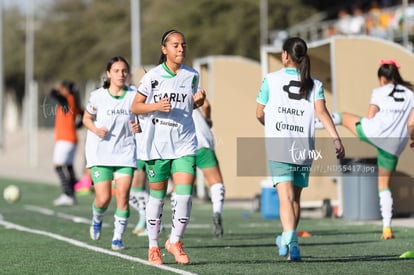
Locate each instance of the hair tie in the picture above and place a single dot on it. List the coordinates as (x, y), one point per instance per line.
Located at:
(390, 62)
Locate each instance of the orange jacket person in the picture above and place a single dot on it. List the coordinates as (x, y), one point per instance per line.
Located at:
(67, 111)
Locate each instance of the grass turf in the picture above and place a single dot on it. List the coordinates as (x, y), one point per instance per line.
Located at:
(336, 246)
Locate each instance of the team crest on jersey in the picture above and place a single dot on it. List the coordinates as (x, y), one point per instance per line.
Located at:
(151, 172)
(293, 85)
(395, 97)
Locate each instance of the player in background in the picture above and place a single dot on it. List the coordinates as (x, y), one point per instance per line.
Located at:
(287, 102)
(110, 147)
(138, 197)
(207, 161)
(166, 97)
(68, 112)
(390, 114)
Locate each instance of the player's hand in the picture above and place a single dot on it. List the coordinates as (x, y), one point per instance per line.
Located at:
(199, 98)
(412, 144)
(164, 105)
(101, 132)
(339, 148)
(135, 127)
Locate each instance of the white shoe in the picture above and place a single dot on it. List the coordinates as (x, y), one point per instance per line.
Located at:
(64, 200)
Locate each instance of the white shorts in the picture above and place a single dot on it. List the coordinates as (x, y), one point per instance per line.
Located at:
(64, 153)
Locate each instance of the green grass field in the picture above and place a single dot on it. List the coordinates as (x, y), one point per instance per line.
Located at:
(38, 238)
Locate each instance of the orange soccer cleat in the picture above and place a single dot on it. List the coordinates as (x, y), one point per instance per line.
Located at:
(177, 250)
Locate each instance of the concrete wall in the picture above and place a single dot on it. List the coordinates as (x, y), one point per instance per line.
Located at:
(232, 84)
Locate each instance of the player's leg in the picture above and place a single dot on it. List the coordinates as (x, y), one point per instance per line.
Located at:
(286, 195)
(336, 118)
(62, 157)
(283, 178)
(207, 161)
(138, 198)
(350, 121)
(158, 172)
(102, 182)
(387, 163)
(123, 178)
(183, 174)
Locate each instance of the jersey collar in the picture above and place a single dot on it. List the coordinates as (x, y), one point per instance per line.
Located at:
(118, 97)
(291, 71)
(170, 73)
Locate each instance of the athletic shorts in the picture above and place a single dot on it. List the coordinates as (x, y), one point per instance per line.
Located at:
(161, 169)
(384, 159)
(298, 174)
(140, 165)
(206, 158)
(105, 173)
(64, 152)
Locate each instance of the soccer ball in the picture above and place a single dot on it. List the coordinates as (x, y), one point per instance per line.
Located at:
(11, 194)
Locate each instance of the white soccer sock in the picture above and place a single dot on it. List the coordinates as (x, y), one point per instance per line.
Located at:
(181, 216)
(120, 225)
(172, 201)
(336, 118)
(153, 214)
(217, 192)
(386, 203)
(97, 214)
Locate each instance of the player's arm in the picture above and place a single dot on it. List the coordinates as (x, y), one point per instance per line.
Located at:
(326, 119)
(410, 128)
(260, 115)
(206, 111)
(372, 110)
(199, 97)
(139, 106)
(262, 99)
(88, 122)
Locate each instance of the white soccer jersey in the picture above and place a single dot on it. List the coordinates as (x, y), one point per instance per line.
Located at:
(205, 137)
(388, 128)
(289, 119)
(169, 135)
(118, 147)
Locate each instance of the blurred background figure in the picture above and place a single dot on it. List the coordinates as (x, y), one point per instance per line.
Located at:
(357, 21)
(67, 120)
(138, 198)
(84, 185)
(206, 160)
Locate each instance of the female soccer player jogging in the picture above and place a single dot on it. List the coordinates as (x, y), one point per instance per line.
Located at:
(166, 97)
(287, 102)
(110, 147)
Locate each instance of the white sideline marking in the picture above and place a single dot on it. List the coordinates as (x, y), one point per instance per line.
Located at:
(77, 219)
(50, 212)
(9, 225)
